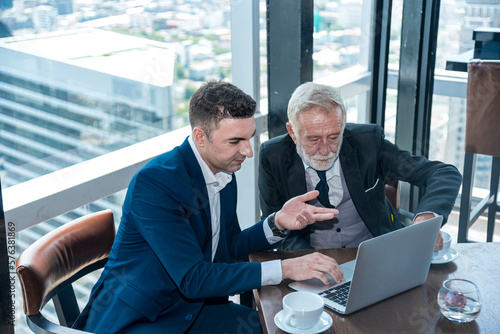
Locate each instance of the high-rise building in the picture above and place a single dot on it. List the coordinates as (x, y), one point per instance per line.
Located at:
(44, 18)
(64, 7)
(4, 30)
(82, 92)
(5, 4)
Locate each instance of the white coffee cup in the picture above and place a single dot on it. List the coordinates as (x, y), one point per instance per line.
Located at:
(443, 250)
(302, 309)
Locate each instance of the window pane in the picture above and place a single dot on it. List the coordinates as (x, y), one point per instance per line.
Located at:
(341, 39)
(341, 35)
(81, 79)
(458, 19)
(263, 54)
(395, 35)
(390, 114)
(393, 65)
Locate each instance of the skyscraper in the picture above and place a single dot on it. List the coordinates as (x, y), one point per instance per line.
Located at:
(5, 4)
(79, 93)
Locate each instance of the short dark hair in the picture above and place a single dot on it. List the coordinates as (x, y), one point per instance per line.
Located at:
(216, 100)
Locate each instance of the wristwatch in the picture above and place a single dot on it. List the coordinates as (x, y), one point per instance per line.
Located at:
(276, 231)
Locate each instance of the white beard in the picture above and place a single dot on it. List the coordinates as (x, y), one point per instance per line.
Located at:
(318, 162)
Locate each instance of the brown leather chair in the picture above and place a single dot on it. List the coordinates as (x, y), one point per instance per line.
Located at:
(392, 189)
(48, 267)
(482, 136)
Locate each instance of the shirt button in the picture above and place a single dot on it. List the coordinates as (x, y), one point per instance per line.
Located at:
(338, 230)
(189, 317)
(270, 282)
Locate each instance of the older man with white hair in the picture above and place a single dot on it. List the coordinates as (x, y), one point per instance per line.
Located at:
(348, 164)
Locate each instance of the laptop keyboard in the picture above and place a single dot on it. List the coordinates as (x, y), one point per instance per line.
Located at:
(338, 293)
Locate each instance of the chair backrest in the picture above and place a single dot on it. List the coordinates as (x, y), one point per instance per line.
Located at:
(392, 190)
(482, 134)
(47, 268)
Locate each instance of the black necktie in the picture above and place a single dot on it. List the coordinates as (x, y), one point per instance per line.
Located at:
(322, 187)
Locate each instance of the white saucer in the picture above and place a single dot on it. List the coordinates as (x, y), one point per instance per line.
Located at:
(448, 257)
(323, 324)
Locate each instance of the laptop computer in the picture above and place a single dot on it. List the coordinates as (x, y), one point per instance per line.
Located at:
(384, 266)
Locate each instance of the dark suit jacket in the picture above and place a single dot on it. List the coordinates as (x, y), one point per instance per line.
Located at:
(160, 268)
(366, 159)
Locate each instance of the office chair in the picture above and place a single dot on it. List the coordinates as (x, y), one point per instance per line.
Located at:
(482, 136)
(48, 267)
(392, 188)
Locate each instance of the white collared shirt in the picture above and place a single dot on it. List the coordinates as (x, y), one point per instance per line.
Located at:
(271, 270)
(215, 183)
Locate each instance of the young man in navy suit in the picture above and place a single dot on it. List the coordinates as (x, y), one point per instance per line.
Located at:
(174, 260)
(350, 162)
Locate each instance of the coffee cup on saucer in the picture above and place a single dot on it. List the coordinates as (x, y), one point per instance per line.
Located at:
(302, 310)
(443, 250)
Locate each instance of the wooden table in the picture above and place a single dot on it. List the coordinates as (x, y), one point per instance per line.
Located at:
(413, 311)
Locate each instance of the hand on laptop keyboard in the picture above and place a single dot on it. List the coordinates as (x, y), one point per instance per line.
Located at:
(314, 265)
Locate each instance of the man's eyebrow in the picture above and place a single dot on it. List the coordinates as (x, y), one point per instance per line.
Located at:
(319, 136)
(241, 138)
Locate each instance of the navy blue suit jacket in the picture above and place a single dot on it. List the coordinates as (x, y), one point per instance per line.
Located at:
(160, 268)
(366, 159)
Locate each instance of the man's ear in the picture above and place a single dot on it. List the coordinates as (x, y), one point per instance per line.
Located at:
(199, 136)
(289, 128)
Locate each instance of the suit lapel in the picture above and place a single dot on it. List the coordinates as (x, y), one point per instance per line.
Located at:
(293, 171)
(297, 181)
(200, 196)
(354, 182)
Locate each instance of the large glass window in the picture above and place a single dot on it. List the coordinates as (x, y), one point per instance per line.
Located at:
(341, 39)
(338, 35)
(457, 20)
(82, 78)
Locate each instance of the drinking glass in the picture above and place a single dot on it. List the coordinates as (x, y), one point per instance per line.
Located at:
(459, 300)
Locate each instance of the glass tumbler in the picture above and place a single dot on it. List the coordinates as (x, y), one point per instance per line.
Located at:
(459, 300)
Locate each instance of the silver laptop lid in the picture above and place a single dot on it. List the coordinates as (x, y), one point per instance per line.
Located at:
(392, 263)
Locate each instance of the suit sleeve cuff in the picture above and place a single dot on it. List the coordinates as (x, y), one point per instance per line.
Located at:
(272, 239)
(435, 214)
(271, 272)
